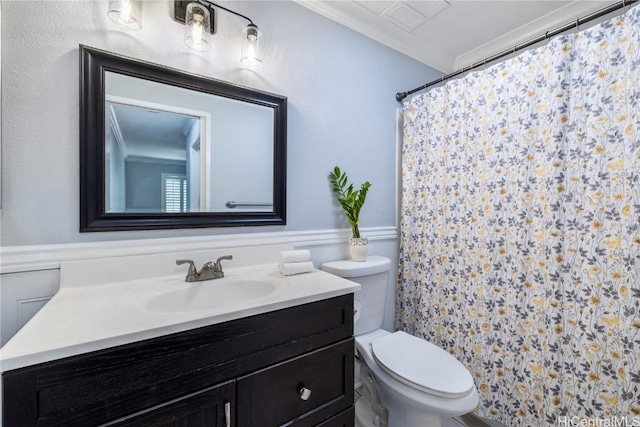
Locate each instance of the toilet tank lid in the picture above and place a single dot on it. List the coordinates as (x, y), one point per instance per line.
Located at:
(373, 265)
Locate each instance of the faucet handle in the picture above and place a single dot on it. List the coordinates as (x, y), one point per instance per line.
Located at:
(227, 257)
(217, 266)
(192, 274)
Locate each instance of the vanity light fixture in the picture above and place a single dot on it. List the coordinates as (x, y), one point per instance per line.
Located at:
(126, 13)
(199, 19)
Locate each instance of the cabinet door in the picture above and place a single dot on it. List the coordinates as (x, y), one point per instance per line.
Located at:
(303, 391)
(211, 407)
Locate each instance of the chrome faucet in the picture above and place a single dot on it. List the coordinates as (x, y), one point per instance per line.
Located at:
(209, 271)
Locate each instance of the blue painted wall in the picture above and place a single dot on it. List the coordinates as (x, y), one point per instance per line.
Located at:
(340, 86)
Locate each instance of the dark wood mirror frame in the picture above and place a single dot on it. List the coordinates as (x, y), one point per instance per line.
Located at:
(93, 66)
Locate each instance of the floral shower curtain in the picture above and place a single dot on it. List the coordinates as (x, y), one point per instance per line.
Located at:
(520, 241)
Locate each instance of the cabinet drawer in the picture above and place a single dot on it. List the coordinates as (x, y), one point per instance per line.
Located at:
(271, 397)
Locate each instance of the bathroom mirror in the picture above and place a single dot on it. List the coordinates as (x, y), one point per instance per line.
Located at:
(161, 148)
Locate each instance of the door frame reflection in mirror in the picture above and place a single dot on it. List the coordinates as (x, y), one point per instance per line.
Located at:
(204, 139)
(94, 64)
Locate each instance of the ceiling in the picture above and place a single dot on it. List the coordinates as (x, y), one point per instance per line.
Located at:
(139, 126)
(452, 34)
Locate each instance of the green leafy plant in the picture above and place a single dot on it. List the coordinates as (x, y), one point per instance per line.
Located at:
(351, 200)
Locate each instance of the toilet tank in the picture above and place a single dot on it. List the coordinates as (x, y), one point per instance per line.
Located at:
(370, 301)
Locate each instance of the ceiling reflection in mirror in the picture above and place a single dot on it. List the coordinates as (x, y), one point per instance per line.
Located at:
(161, 148)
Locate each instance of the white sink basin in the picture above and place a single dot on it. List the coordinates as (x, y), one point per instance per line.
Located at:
(209, 295)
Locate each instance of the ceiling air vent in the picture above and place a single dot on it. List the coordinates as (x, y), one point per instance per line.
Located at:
(409, 15)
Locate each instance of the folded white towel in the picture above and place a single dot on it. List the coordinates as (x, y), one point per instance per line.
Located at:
(291, 268)
(301, 255)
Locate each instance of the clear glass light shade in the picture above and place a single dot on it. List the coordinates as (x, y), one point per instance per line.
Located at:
(197, 27)
(250, 56)
(126, 13)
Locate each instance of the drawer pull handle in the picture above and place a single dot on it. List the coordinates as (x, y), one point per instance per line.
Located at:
(227, 413)
(305, 393)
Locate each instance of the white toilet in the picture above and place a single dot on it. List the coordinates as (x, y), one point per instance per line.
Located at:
(406, 381)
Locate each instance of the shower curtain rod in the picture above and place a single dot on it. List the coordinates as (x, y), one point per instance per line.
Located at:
(573, 24)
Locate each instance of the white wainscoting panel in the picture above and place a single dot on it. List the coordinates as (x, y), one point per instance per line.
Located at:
(31, 274)
(22, 295)
(28, 307)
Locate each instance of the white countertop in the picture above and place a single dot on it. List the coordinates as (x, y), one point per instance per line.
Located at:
(81, 319)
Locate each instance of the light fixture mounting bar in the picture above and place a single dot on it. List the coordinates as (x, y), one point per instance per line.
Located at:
(179, 12)
(210, 3)
(180, 8)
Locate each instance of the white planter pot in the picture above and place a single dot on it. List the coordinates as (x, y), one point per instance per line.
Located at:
(359, 248)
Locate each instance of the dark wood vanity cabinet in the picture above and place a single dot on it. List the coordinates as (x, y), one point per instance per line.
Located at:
(287, 367)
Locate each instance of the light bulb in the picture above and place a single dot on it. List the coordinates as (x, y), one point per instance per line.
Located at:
(250, 56)
(251, 53)
(196, 33)
(126, 13)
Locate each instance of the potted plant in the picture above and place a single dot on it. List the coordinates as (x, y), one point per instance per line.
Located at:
(351, 201)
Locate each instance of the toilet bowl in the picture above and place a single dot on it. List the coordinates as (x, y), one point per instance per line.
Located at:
(408, 381)
(418, 383)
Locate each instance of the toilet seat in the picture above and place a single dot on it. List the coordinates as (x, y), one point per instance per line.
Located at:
(422, 365)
